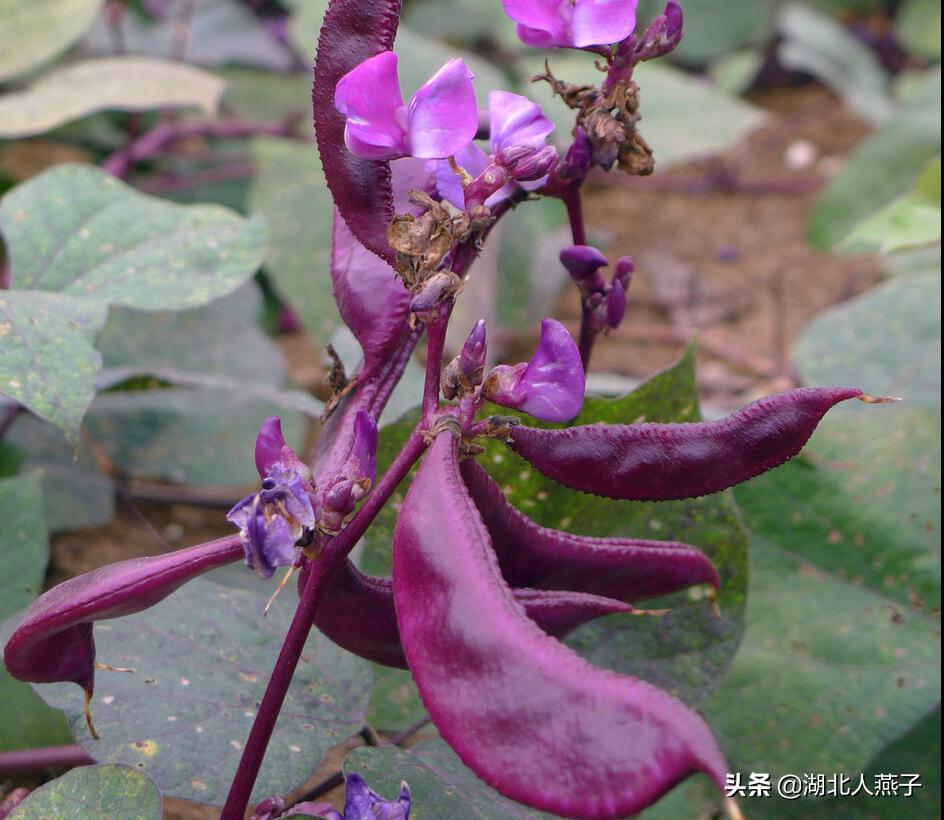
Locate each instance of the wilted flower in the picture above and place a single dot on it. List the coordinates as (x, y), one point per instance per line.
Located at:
(440, 119)
(273, 520)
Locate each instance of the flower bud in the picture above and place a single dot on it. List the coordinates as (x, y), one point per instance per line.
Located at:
(625, 268)
(439, 286)
(615, 304)
(536, 164)
(583, 262)
(472, 357)
(663, 35)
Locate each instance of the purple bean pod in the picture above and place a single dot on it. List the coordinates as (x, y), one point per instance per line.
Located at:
(54, 642)
(358, 613)
(662, 462)
(528, 715)
(353, 32)
(621, 568)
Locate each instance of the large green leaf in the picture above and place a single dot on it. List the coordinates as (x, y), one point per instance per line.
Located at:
(440, 785)
(34, 31)
(289, 188)
(24, 549)
(76, 492)
(49, 364)
(202, 660)
(77, 231)
(883, 166)
(109, 84)
(94, 793)
(841, 655)
(819, 45)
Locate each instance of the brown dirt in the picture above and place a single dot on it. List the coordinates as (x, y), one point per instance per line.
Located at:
(720, 249)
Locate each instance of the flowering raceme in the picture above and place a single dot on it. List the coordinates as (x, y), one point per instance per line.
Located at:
(518, 130)
(572, 23)
(440, 119)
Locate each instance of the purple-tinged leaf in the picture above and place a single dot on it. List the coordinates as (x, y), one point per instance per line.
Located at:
(359, 615)
(550, 387)
(621, 568)
(373, 303)
(353, 31)
(597, 745)
(661, 462)
(55, 642)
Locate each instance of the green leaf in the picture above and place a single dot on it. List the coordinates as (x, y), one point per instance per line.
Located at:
(49, 364)
(910, 220)
(918, 28)
(290, 190)
(24, 548)
(818, 45)
(34, 31)
(108, 84)
(440, 785)
(77, 231)
(883, 167)
(76, 493)
(218, 32)
(192, 436)
(94, 793)
(394, 700)
(202, 660)
(841, 654)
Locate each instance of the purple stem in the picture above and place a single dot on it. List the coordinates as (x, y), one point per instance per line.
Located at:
(588, 335)
(572, 202)
(435, 342)
(48, 757)
(159, 138)
(245, 778)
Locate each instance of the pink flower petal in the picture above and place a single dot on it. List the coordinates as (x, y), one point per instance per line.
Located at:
(443, 113)
(370, 98)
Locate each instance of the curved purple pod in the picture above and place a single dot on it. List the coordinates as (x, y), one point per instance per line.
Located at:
(353, 31)
(620, 568)
(358, 613)
(373, 303)
(55, 643)
(661, 462)
(528, 715)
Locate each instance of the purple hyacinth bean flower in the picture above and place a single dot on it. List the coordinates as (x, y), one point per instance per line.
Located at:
(550, 387)
(440, 119)
(572, 23)
(272, 521)
(362, 803)
(515, 123)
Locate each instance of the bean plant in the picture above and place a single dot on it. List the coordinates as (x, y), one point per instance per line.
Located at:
(480, 596)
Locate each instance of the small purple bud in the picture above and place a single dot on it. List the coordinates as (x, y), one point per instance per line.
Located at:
(536, 165)
(615, 304)
(583, 263)
(663, 35)
(472, 357)
(625, 268)
(577, 161)
(550, 387)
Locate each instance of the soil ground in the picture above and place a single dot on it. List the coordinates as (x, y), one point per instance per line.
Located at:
(719, 247)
